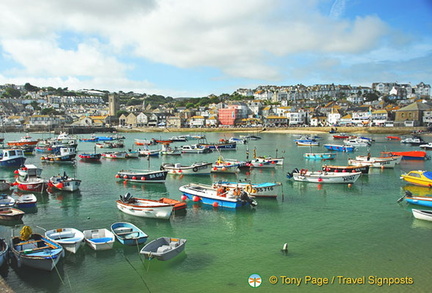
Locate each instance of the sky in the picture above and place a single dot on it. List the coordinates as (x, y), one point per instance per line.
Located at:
(194, 48)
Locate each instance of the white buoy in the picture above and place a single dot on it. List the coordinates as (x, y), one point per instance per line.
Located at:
(285, 248)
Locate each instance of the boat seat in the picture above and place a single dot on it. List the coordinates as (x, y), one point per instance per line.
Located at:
(62, 235)
(122, 230)
(163, 248)
(101, 240)
(174, 244)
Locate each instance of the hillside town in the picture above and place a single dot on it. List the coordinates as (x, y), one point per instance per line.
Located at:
(26, 107)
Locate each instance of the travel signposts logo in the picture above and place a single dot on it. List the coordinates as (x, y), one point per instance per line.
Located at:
(254, 280)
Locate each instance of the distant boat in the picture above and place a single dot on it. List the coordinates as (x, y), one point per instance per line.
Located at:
(163, 248)
(195, 149)
(142, 176)
(25, 140)
(11, 214)
(90, 157)
(201, 168)
(70, 238)
(319, 156)
(341, 136)
(374, 163)
(305, 175)
(30, 170)
(114, 155)
(427, 146)
(339, 148)
(99, 239)
(31, 184)
(6, 201)
(222, 145)
(264, 189)
(128, 233)
(412, 155)
(393, 137)
(64, 155)
(352, 168)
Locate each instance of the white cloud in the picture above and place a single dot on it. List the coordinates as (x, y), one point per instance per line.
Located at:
(106, 39)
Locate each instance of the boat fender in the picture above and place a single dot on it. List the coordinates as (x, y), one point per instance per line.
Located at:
(248, 188)
(195, 169)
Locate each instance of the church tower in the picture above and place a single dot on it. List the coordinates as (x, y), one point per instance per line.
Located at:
(113, 104)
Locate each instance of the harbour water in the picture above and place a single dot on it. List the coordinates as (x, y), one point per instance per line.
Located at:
(340, 238)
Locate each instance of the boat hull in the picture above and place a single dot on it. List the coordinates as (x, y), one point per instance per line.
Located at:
(420, 200)
(70, 239)
(339, 148)
(326, 177)
(425, 215)
(195, 169)
(146, 209)
(143, 176)
(163, 248)
(319, 156)
(99, 239)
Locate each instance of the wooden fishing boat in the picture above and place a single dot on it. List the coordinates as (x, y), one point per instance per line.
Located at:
(114, 155)
(222, 166)
(422, 214)
(99, 239)
(340, 148)
(90, 157)
(412, 155)
(12, 158)
(35, 251)
(26, 201)
(64, 182)
(128, 233)
(222, 145)
(195, 149)
(70, 238)
(305, 175)
(163, 248)
(142, 176)
(146, 208)
(65, 155)
(364, 169)
(11, 214)
(201, 168)
(149, 153)
(217, 196)
(25, 140)
(357, 142)
(418, 177)
(373, 163)
(31, 184)
(319, 156)
(263, 190)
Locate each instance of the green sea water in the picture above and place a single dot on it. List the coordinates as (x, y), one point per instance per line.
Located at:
(340, 238)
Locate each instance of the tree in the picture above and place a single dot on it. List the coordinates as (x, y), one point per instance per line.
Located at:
(121, 112)
(31, 88)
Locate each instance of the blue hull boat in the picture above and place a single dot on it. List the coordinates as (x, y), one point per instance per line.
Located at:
(319, 156)
(128, 234)
(339, 148)
(12, 158)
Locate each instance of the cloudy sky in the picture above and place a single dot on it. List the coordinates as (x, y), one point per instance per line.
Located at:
(184, 48)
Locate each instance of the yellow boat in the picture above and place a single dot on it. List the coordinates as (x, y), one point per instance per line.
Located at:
(421, 178)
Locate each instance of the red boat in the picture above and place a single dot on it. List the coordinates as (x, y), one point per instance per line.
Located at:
(412, 155)
(178, 205)
(393, 137)
(340, 136)
(25, 140)
(33, 184)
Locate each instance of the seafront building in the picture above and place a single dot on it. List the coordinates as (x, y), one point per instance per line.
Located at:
(382, 104)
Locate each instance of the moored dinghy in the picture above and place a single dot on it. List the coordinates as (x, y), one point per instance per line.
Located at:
(70, 238)
(202, 168)
(128, 233)
(99, 239)
(35, 251)
(422, 214)
(305, 175)
(163, 248)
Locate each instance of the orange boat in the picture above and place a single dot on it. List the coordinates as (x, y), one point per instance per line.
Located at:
(25, 140)
(412, 155)
(178, 205)
(393, 138)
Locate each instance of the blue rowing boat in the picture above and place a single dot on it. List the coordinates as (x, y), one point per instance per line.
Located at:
(128, 234)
